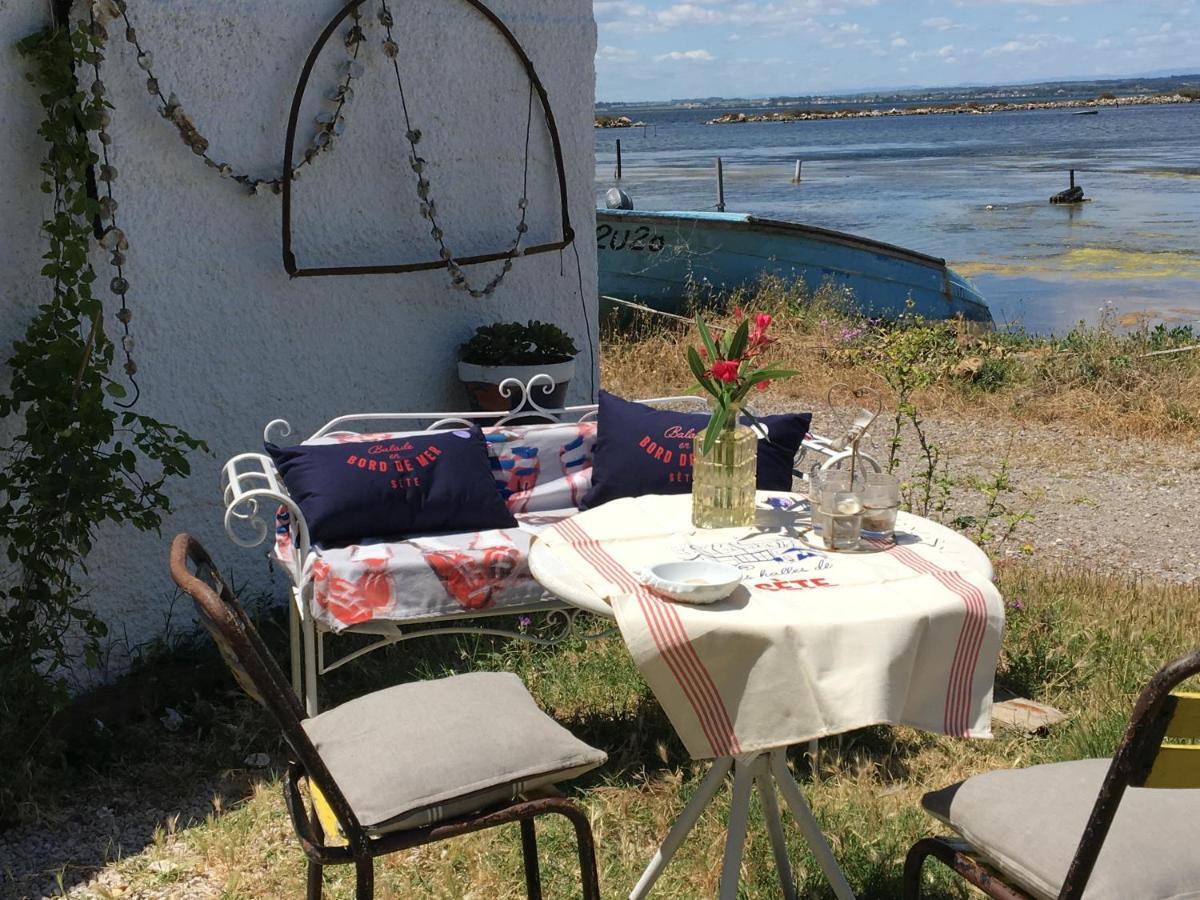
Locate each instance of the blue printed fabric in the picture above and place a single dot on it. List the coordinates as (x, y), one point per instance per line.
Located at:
(412, 484)
(642, 450)
(540, 467)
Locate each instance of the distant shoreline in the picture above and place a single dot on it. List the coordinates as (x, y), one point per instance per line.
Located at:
(972, 108)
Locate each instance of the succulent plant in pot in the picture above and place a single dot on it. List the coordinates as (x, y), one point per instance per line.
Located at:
(506, 350)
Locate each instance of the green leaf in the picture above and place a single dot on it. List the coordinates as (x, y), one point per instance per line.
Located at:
(697, 367)
(706, 338)
(760, 376)
(113, 389)
(714, 427)
(741, 337)
(776, 374)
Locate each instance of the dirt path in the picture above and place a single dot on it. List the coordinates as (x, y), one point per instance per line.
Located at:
(1113, 503)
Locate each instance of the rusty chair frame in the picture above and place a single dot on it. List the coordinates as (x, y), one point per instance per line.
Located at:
(256, 671)
(1137, 763)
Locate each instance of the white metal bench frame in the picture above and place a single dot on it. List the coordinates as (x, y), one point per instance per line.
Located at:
(253, 491)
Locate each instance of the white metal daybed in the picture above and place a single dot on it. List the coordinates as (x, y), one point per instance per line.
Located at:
(451, 581)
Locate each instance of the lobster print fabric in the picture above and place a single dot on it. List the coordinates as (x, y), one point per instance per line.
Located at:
(541, 472)
(433, 576)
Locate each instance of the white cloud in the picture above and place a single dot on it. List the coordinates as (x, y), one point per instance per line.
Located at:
(942, 23)
(899, 42)
(689, 14)
(685, 56)
(1028, 43)
(615, 55)
(630, 16)
(1029, 2)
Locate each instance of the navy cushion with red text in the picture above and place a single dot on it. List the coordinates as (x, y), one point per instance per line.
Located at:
(641, 449)
(412, 484)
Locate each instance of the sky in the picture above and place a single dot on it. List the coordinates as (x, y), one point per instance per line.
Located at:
(661, 49)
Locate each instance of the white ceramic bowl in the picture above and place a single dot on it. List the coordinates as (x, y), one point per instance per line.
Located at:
(692, 581)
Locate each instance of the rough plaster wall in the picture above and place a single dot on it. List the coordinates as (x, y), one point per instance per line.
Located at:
(225, 341)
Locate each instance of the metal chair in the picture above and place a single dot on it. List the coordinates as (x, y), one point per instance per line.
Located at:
(395, 801)
(1084, 829)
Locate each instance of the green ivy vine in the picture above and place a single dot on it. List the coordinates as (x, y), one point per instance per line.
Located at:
(76, 461)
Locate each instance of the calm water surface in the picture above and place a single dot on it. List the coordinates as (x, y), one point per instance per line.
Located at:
(970, 188)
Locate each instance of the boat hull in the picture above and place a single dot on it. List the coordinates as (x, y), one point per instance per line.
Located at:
(667, 259)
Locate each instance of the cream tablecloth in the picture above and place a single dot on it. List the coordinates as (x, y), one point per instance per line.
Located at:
(812, 642)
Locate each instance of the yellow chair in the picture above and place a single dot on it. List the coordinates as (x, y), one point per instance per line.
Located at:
(1094, 829)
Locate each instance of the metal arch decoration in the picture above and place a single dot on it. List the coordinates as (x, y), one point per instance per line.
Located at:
(289, 257)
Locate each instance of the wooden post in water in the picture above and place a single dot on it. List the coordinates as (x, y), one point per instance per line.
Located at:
(720, 186)
(1072, 178)
(796, 177)
(618, 159)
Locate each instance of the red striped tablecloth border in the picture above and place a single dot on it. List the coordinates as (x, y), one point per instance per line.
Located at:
(670, 637)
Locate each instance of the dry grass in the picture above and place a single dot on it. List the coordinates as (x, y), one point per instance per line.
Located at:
(1097, 379)
(1084, 643)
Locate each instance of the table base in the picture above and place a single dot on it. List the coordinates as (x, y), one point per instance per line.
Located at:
(765, 771)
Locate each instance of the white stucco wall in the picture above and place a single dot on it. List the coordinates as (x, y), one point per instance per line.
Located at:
(225, 341)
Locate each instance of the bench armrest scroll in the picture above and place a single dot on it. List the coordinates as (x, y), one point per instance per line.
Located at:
(252, 491)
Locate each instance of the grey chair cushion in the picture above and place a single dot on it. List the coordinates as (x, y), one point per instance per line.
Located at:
(418, 753)
(1028, 822)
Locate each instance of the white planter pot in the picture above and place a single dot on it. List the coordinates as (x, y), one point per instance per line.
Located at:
(560, 372)
(482, 384)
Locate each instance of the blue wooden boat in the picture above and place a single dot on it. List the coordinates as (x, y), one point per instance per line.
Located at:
(666, 259)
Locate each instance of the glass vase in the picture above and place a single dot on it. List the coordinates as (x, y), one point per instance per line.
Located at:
(723, 480)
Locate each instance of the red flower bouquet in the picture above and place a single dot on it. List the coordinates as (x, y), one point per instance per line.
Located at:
(728, 367)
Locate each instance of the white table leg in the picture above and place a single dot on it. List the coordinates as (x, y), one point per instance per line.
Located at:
(679, 830)
(808, 825)
(770, 805)
(739, 814)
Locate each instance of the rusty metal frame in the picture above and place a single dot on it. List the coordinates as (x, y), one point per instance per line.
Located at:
(1130, 766)
(289, 257)
(225, 618)
(957, 855)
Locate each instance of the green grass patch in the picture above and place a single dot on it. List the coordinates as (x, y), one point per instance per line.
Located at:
(1083, 643)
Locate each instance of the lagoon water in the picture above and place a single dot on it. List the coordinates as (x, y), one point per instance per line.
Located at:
(973, 189)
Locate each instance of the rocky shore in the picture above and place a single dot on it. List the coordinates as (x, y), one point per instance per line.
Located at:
(617, 122)
(974, 108)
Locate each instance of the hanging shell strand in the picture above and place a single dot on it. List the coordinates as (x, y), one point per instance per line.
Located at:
(420, 166)
(112, 238)
(330, 124)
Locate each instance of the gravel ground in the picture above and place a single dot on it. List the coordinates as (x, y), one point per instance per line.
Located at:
(73, 851)
(1113, 504)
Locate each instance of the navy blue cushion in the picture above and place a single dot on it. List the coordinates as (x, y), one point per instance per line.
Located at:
(644, 450)
(440, 481)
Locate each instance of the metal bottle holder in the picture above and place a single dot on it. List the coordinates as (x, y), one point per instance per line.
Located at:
(848, 440)
(863, 420)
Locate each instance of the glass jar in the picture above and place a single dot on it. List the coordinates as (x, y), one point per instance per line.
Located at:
(724, 479)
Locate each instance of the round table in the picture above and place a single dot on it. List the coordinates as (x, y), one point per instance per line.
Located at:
(767, 771)
(556, 577)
